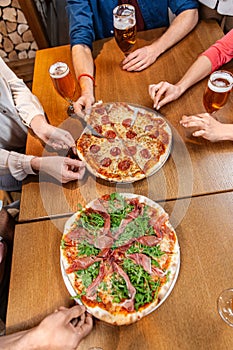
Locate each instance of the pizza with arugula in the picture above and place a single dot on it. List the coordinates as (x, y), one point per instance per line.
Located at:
(120, 257)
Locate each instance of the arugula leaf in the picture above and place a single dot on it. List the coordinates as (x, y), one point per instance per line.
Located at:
(89, 274)
(154, 252)
(146, 287)
(118, 209)
(79, 207)
(91, 221)
(63, 244)
(119, 289)
(140, 226)
(87, 249)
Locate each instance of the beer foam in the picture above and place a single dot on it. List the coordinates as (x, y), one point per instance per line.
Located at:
(220, 86)
(124, 23)
(58, 70)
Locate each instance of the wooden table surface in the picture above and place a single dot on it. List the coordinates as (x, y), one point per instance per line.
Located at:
(195, 166)
(188, 319)
(190, 186)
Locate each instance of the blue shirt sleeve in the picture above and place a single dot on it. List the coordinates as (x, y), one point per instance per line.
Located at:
(90, 20)
(80, 22)
(178, 6)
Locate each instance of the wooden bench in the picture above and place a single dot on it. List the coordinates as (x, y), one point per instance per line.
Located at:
(24, 69)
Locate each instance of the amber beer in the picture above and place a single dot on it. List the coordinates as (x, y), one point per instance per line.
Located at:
(125, 30)
(217, 91)
(63, 80)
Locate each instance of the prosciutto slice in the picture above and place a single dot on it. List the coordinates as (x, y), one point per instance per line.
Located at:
(128, 304)
(150, 241)
(103, 241)
(142, 260)
(138, 210)
(92, 288)
(79, 234)
(158, 272)
(97, 205)
(82, 263)
(157, 223)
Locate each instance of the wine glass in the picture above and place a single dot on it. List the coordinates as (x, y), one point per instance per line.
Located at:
(225, 306)
(217, 91)
(64, 83)
(125, 31)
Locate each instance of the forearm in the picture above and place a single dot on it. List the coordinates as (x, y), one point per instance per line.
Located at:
(197, 71)
(226, 132)
(178, 29)
(38, 123)
(83, 63)
(16, 341)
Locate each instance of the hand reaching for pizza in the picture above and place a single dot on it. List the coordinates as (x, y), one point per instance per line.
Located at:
(163, 93)
(208, 127)
(57, 331)
(83, 105)
(63, 169)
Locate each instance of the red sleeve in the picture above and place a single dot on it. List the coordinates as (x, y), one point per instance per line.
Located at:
(221, 52)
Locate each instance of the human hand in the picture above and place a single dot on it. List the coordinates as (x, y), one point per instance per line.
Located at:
(63, 169)
(58, 331)
(52, 136)
(207, 126)
(83, 105)
(163, 93)
(139, 59)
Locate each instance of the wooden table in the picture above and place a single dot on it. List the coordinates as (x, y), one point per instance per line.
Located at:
(195, 166)
(190, 186)
(188, 319)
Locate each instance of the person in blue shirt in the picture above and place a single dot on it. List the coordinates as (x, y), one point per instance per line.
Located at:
(90, 20)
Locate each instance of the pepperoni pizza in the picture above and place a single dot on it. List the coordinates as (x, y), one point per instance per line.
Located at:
(131, 142)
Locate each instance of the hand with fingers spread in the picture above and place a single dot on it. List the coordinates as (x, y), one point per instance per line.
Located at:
(63, 169)
(210, 60)
(63, 329)
(208, 127)
(163, 93)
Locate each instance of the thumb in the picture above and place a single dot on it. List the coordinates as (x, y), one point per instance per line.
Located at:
(74, 312)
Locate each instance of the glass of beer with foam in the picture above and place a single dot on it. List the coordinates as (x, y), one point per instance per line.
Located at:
(63, 82)
(217, 91)
(125, 31)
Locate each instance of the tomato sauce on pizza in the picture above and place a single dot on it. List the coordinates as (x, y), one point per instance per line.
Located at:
(135, 143)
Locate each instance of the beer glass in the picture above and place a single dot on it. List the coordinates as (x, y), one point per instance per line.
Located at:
(64, 83)
(217, 91)
(125, 31)
(225, 306)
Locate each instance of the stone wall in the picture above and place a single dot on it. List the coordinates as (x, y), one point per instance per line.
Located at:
(16, 39)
